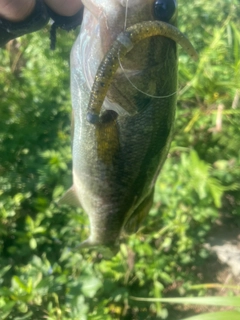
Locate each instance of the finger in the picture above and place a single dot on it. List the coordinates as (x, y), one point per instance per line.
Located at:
(16, 10)
(63, 7)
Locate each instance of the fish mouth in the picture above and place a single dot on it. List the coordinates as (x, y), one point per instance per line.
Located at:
(124, 43)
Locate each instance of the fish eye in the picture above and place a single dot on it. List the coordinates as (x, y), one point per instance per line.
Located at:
(164, 9)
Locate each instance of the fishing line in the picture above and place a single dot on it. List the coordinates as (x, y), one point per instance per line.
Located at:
(147, 94)
(121, 66)
(126, 14)
(123, 44)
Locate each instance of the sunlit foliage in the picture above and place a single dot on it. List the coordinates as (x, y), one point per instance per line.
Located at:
(42, 275)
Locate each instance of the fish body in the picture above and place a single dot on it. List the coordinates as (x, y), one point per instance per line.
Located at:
(116, 162)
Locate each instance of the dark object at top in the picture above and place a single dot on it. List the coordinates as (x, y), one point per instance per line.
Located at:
(164, 9)
(36, 21)
(63, 22)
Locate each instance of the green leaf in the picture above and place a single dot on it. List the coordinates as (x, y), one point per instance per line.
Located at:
(26, 316)
(17, 281)
(222, 315)
(33, 243)
(4, 270)
(30, 223)
(90, 286)
(214, 286)
(6, 310)
(212, 301)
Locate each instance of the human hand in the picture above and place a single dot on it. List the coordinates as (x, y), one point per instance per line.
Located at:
(18, 10)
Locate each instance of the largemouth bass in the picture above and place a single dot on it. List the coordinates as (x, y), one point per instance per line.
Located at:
(123, 86)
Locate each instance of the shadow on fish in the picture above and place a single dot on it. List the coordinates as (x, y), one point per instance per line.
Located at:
(124, 88)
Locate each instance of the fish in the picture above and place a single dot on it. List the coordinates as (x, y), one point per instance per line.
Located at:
(124, 67)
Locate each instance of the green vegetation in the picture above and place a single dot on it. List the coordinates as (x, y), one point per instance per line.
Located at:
(42, 275)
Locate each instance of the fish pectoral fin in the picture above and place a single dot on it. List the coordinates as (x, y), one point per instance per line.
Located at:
(70, 198)
(127, 104)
